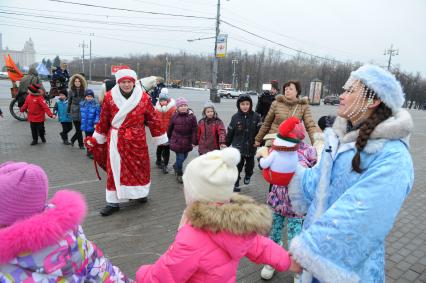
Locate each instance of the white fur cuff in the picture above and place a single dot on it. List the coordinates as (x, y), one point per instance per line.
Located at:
(161, 139)
(321, 268)
(295, 191)
(100, 139)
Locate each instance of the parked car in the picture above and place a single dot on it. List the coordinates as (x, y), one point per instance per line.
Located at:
(4, 75)
(251, 92)
(330, 99)
(229, 93)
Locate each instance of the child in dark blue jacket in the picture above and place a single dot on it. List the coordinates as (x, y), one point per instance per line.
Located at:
(90, 111)
(64, 117)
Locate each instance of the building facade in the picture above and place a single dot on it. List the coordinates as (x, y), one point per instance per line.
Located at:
(24, 58)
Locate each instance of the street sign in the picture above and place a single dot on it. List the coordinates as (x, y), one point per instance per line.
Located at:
(116, 68)
(221, 45)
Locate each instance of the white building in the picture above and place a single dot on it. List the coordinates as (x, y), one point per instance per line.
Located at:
(24, 58)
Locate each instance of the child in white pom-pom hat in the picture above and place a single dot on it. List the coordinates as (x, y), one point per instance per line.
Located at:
(218, 229)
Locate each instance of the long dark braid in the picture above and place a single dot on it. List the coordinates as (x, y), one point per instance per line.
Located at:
(381, 114)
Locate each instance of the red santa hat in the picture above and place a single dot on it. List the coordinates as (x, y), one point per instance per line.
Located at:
(288, 133)
(126, 74)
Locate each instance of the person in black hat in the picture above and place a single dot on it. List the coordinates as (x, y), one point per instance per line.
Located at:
(266, 98)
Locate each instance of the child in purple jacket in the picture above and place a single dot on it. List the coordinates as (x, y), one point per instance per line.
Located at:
(182, 134)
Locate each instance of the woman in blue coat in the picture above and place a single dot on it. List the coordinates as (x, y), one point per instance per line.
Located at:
(353, 196)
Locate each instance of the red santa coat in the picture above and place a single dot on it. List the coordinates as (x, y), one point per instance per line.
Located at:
(122, 125)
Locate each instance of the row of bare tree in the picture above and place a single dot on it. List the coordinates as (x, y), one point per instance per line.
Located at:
(254, 69)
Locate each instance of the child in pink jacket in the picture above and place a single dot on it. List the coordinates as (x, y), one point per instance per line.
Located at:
(41, 240)
(218, 228)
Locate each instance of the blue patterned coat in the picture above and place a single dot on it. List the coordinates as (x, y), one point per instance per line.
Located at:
(349, 215)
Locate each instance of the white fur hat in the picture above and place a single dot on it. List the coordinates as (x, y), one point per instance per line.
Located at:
(211, 177)
(126, 74)
(382, 82)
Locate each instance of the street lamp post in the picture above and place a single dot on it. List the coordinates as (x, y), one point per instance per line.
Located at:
(234, 62)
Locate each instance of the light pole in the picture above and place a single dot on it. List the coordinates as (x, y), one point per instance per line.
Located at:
(90, 56)
(214, 97)
(234, 62)
(391, 52)
(83, 46)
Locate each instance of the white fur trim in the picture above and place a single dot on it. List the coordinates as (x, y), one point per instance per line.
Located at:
(125, 73)
(321, 268)
(170, 105)
(161, 139)
(398, 126)
(297, 198)
(111, 197)
(280, 142)
(100, 139)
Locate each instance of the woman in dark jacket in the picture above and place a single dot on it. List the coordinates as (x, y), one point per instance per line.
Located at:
(77, 88)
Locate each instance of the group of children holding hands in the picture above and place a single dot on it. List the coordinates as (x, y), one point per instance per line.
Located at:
(209, 182)
(36, 106)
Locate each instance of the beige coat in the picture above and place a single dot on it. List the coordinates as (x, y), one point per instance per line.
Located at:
(283, 108)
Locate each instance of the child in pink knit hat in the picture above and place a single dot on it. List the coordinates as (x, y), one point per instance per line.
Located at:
(42, 240)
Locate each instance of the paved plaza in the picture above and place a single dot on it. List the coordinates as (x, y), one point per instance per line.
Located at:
(140, 233)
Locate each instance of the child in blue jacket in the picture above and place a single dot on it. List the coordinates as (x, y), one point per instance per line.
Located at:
(90, 111)
(60, 109)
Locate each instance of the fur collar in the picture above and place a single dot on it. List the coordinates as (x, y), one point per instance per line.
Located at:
(282, 99)
(241, 216)
(170, 105)
(43, 229)
(398, 126)
(81, 78)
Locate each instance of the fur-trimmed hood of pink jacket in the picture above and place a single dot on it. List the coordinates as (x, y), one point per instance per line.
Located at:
(51, 246)
(210, 246)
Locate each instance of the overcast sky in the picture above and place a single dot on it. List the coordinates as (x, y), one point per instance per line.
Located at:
(354, 30)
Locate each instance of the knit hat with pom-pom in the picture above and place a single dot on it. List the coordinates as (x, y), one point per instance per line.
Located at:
(211, 177)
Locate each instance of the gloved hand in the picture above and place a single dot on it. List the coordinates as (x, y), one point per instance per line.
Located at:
(262, 152)
(90, 143)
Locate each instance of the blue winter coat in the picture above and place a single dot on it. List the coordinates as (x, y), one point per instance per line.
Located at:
(60, 110)
(349, 215)
(89, 115)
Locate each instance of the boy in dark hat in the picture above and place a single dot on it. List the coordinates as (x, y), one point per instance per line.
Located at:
(241, 133)
(37, 107)
(64, 117)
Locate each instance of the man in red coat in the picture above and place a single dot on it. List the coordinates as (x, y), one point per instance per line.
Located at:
(126, 110)
(37, 107)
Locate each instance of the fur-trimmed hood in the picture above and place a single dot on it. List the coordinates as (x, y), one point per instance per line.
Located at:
(241, 216)
(398, 126)
(170, 105)
(82, 80)
(282, 99)
(65, 212)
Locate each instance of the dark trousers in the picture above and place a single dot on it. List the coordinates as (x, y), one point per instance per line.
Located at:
(163, 154)
(78, 134)
(248, 161)
(37, 129)
(66, 128)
